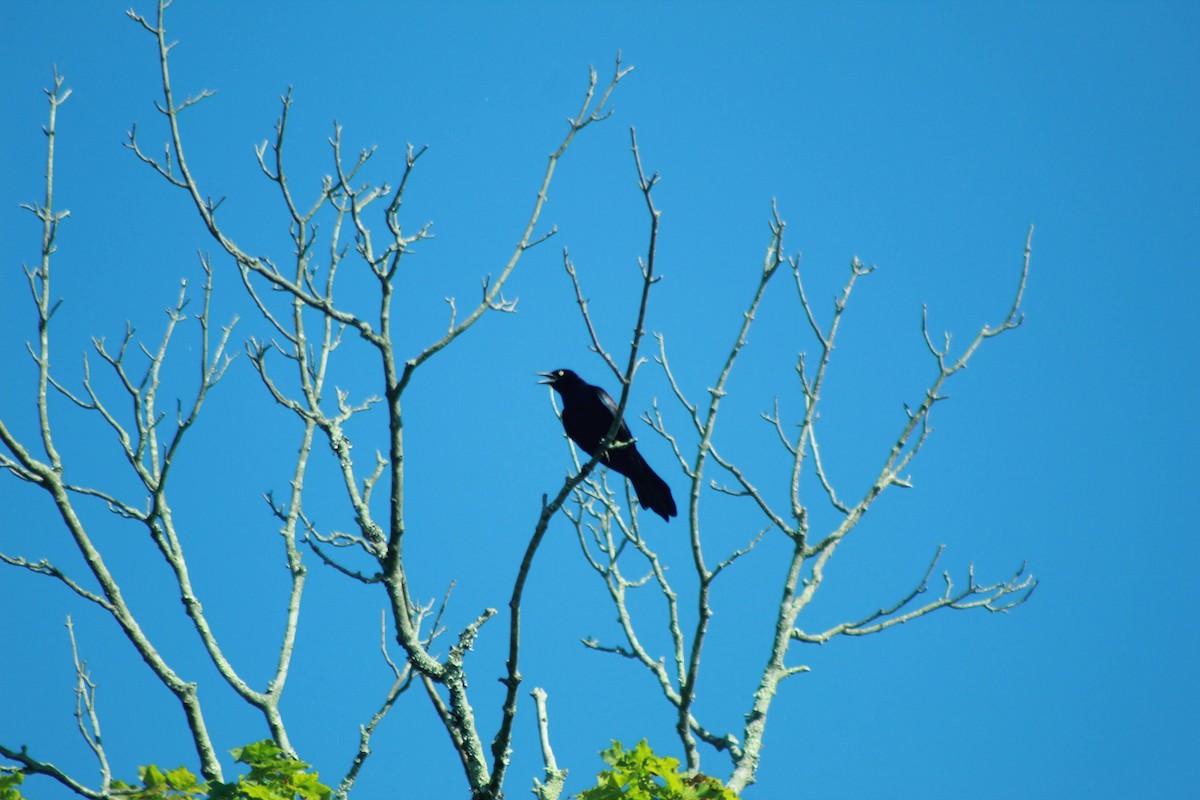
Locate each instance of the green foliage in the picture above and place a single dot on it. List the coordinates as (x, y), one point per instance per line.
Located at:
(638, 774)
(9, 784)
(178, 784)
(273, 776)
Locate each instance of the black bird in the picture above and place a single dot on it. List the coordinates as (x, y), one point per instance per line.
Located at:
(587, 415)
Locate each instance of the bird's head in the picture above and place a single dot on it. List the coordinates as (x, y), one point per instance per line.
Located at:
(559, 378)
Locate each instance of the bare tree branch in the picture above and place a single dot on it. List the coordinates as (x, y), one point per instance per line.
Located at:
(991, 597)
(44, 567)
(501, 743)
(555, 778)
(914, 433)
(88, 722)
(85, 711)
(49, 476)
(32, 766)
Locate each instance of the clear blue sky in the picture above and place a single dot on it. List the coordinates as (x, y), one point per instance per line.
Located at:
(922, 137)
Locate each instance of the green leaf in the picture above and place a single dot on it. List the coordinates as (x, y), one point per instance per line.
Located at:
(9, 784)
(257, 753)
(639, 774)
(222, 791)
(613, 754)
(260, 792)
(273, 775)
(182, 780)
(151, 776)
(308, 787)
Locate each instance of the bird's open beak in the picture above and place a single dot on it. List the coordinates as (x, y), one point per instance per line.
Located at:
(549, 376)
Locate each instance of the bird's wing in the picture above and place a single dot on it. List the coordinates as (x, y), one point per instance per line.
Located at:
(623, 433)
(606, 398)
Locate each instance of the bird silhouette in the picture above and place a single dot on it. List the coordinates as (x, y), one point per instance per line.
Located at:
(587, 414)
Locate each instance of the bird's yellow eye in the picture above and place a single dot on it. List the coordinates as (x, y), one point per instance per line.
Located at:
(559, 373)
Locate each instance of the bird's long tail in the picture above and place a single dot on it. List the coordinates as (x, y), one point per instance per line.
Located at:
(652, 491)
